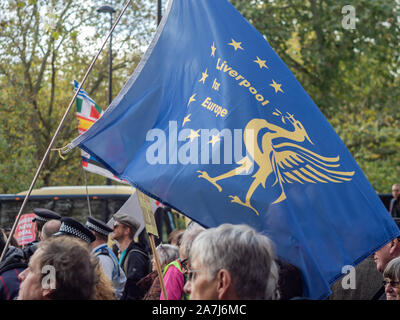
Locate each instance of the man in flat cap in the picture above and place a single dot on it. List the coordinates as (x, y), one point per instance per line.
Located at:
(134, 259)
(107, 259)
(42, 216)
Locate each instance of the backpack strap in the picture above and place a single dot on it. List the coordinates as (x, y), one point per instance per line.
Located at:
(126, 258)
(104, 251)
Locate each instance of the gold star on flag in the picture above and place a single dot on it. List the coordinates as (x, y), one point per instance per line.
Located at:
(193, 135)
(191, 99)
(236, 45)
(204, 77)
(213, 48)
(186, 119)
(214, 139)
(276, 86)
(261, 63)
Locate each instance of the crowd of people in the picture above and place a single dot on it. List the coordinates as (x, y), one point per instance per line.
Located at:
(71, 260)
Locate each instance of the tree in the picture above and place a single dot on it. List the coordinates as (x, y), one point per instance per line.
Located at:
(43, 47)
(351, 74)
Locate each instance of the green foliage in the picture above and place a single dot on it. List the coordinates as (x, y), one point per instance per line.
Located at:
(352, 75)
(44, 46)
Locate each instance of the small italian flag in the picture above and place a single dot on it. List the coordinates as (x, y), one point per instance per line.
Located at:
(88, 112)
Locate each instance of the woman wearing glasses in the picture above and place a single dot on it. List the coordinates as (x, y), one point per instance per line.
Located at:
(151, 283)
(392, 279)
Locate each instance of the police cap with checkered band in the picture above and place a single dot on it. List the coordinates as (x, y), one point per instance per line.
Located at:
(71, 227)
(44, 215)
(98, 226)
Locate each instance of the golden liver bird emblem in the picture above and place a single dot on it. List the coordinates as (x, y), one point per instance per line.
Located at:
(282, 156)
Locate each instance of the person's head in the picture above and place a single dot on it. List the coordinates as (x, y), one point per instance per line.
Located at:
(175, 237)
(192, 231)
(3, 239)
(166, 253)
(388, 252)
(392, 279)
(232, 262)
(125, 227)
(99, 229)
(62, 268)
(49, 228)
(396, 190)
(13, 241)
(42, 215)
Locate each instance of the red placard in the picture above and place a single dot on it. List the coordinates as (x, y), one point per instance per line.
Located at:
(25, 231)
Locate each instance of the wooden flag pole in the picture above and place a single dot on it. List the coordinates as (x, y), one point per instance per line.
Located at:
(151, 228)
(57, 132)
(158, 266)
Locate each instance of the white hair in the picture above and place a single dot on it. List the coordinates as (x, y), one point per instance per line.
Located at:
(392, 269)
(191, 232)
(167, 253)
(247, 255)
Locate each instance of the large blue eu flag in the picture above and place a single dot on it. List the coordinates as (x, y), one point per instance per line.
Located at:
(214, 124)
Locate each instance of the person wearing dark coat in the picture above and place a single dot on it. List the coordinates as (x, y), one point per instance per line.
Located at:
(12, 265)
(289, 281)
(134, 259)
(394, 208)
(42, 215)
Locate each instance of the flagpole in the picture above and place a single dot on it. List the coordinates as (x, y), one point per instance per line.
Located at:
(159, 15)
(158, 266)
(57, 132)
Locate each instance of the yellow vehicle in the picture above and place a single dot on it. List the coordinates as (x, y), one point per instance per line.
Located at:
(71, 201)
(81, 190)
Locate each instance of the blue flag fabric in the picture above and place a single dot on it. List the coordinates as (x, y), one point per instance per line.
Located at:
(214, 124)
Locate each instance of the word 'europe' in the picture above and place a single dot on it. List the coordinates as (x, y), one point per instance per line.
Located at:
(213, 107)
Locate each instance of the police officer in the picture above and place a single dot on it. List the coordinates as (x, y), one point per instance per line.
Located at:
(71, 227)
(42, 215)
(107, 258)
